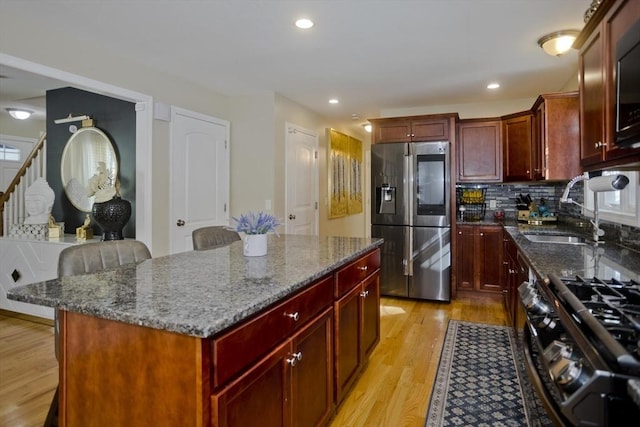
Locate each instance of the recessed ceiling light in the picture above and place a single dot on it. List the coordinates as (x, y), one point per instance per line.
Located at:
(493, 85)
(304, 23)
(333, 101)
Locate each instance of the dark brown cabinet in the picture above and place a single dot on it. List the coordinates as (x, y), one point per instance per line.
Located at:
(479, 258)
(557, 136)
(410, 129)
(596, 80)
(519, 162)
(479, 148)
(357, 331)
(290, 386)
(515, 273)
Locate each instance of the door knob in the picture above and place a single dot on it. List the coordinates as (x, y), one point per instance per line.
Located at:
(292, 216)
(180, 223)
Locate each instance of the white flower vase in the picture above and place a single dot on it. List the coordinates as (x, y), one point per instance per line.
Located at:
(255, 244)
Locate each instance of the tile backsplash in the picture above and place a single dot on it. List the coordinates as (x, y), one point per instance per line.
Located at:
(505, 197)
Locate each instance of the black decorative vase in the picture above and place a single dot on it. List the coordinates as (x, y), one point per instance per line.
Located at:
(111, 216)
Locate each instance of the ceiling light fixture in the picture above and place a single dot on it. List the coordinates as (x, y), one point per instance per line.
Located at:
(367, 127)
(19, 113)
(333, 101)
(304, 23)
(493, 85)
(558, 43)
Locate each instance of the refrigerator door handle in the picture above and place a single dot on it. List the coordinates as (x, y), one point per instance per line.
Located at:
(408, 188)
(409, 253)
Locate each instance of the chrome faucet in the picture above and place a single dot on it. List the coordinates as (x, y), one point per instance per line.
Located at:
(596, 184)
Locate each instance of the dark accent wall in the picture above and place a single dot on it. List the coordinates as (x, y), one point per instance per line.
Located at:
(117, 119)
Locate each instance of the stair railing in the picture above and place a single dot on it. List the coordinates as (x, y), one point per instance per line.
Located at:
(12, 209)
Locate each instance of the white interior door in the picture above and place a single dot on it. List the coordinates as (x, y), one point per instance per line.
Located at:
(199, 193)
(301, 181)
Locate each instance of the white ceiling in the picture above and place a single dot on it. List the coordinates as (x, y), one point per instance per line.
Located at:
(373, 55)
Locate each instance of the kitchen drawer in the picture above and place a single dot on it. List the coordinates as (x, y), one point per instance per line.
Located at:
(236, 349)
(356, 272)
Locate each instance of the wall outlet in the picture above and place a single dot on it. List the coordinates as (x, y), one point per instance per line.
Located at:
(492, 204)
(267, 205)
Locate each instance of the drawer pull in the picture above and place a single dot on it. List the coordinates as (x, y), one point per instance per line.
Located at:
(295, 316)
(295, 358)
(363, 268)
(364, 294)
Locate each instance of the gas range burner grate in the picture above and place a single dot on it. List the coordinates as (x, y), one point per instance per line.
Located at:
(607, 314)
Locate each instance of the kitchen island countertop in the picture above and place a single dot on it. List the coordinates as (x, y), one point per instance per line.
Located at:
(199, 293)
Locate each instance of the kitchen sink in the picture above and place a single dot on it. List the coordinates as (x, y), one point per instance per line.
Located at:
(556, 238)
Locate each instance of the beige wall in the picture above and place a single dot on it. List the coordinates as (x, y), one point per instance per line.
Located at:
(253, 154)
(295, 114)
(30, 128)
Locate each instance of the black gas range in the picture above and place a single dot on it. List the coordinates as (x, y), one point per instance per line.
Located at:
(582, 348)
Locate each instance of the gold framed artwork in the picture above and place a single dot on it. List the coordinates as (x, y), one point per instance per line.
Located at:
(345, 174)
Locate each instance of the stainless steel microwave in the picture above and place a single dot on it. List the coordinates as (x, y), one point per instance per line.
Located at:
(628, 88)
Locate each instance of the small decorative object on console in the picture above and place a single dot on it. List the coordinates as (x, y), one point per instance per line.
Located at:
(84, 232)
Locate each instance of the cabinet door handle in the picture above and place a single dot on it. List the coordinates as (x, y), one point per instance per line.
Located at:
(295, 316)
(482, 234)
(295, 358)
(363, 268)
(364, 294)
(180, 223)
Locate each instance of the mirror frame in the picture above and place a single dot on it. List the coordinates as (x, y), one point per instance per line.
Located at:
(91, 146)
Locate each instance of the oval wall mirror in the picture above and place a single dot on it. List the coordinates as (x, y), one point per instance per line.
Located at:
(88, 164)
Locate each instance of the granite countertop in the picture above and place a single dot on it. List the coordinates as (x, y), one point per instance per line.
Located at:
(604, 261)
(199, 293)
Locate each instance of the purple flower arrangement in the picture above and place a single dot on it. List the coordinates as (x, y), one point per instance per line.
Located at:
(256, 223)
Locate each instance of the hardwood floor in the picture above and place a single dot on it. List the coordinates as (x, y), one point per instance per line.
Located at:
(28, 370)
(393, 391)
(395, 388)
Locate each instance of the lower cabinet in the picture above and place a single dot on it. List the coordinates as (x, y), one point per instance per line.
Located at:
(292, 386)
(515, 272)
(479, 258)
(357, 331)
(307, 372)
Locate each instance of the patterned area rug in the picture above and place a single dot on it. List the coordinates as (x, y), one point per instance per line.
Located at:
(481, 381)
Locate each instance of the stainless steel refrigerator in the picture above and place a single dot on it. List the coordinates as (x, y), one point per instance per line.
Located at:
(411, 198)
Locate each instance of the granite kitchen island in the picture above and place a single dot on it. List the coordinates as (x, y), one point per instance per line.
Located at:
(215, 338)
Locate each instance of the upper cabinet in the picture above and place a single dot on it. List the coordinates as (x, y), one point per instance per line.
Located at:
(519, 162)
(479, 148)
(597, 73)
(556, 135)
(411, 129)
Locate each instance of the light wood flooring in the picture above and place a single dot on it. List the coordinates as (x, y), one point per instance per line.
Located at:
(393, 391)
